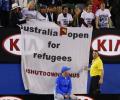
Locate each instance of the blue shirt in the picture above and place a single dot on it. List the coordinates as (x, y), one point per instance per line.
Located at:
(63, 85)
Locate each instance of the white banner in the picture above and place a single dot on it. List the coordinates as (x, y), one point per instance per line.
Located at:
(46, 48)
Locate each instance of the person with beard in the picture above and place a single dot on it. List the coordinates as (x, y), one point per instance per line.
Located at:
(64, 19)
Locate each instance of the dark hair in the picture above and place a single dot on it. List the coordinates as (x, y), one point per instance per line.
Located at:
(95, 51)
(50, 6)
(64, 7)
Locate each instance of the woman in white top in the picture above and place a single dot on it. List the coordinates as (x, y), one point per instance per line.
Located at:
(88, 16)
(31, 13)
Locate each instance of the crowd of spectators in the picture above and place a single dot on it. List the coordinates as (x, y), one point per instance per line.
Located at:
(66, 13)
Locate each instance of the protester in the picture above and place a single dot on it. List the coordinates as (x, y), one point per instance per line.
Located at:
(103, 19)
(32, 11)
(77, 20)
(29, 12)
(42, 15)
(88, 16)
(64, 86)
(52, 16)
(16, 16)
(64, 19)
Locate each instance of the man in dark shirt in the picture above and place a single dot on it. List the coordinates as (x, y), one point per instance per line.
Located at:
(52, 16)
(16, 17)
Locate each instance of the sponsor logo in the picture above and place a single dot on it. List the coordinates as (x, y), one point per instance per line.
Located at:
(84, 98)
(9, 98)
(14, 45)
(63, 31)
(107, 45)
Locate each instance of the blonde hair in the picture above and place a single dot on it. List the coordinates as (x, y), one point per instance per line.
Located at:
(31, 4)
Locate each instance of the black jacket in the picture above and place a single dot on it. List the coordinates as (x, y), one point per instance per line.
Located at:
(15, 19)
(54, 17)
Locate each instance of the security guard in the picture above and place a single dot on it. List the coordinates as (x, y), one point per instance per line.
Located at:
(96, 74)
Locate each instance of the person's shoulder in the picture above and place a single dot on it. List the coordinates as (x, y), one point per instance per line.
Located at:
(83, 13)
(69, 77)
(99, 59)
(107, 10)
(59, 76)
(91, 13)
(60, 14)
(24, 9)
(69, 14)
(99, 10)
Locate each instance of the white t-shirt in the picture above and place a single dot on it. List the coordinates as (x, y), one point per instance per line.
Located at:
(88, 18)
(103, 17)
(83, 13)
(41, 17)
(33, 14)
(64, 21)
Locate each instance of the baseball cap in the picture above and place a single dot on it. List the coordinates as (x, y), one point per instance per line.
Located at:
(65, 68)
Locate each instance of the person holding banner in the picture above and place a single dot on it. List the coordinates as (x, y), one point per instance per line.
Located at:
(96, 73)
(64, 86)
(64, 19)
(77, 20)
(103, 17)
